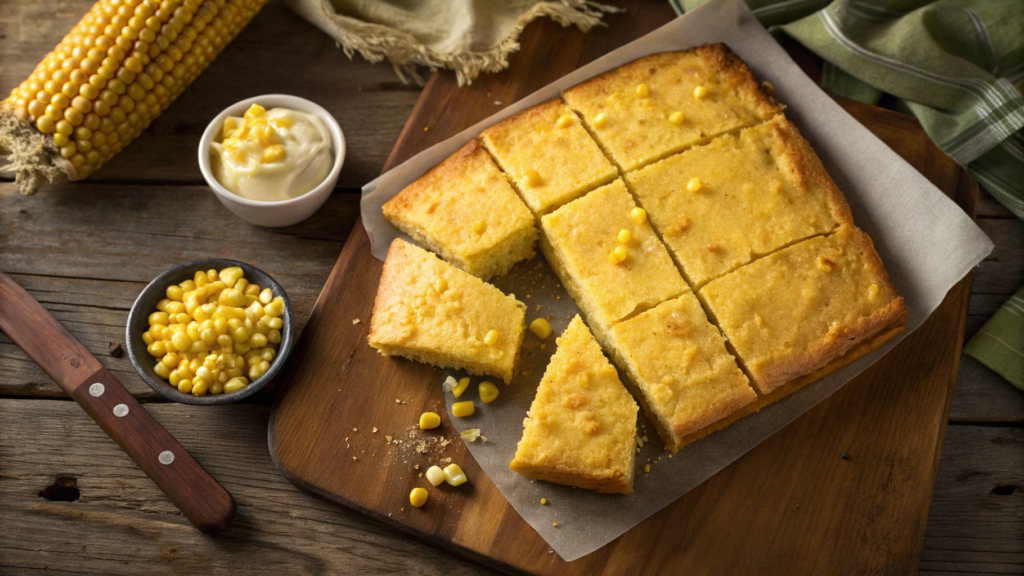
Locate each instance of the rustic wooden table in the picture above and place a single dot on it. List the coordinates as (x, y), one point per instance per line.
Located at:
(72, 502)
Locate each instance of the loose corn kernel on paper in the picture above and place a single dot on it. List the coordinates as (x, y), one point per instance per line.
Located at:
(926, 242)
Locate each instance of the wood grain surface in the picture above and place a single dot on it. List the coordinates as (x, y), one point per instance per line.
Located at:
(73, 503)
(199, 497)
(818, 508)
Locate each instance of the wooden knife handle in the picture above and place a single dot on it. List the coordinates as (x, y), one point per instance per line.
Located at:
(199, 497)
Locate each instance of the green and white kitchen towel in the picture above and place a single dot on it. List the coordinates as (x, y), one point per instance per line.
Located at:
(958, 66)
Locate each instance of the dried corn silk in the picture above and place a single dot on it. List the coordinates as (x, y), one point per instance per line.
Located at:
(117, 70)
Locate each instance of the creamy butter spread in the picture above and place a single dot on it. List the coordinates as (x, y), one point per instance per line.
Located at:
(272, 155)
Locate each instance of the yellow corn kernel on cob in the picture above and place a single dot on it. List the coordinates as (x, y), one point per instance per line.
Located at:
(122, 65)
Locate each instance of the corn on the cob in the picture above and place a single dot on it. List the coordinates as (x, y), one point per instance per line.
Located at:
(122, 65)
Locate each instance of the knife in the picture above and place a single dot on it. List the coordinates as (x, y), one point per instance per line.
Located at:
(191, 488)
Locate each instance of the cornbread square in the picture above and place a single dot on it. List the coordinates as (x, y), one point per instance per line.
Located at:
(679, 362)
(429, 311)
(759, 192)
(802, 307)
(638, 127)
(548, 155)
(577, 240)
(465, 210)
(581, 428)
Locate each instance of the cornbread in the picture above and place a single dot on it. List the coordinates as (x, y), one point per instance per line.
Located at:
(639, 126)
(578, 240)
(548, 155)
(679, 362)
(720, 206)
(581, 426)
(797, 310)
(465, 210)
(429, 311)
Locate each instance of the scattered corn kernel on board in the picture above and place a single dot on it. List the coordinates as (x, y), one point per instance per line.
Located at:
(813, 507)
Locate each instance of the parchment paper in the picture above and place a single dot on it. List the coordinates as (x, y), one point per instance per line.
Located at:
(926, 242)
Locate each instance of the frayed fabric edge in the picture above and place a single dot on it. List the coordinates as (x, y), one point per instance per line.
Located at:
(406, 54)
(31, 155)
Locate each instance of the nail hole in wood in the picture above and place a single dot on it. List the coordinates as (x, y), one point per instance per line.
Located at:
(63, 489)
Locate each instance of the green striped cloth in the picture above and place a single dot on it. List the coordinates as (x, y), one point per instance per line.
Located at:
(958, 66)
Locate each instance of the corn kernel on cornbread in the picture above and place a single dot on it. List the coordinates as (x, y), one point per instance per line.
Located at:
(793, 312)
(429, 311)
(757, 192)
(548, 155)
(579, 240)
(581, 426)
(679, 362)
(660, 104)
(465, 210)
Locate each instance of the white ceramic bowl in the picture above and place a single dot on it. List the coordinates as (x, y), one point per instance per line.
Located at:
(285, 212)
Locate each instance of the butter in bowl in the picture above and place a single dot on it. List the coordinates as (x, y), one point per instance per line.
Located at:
(272, 160)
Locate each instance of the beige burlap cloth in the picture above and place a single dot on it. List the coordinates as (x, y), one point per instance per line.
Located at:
(466, 36)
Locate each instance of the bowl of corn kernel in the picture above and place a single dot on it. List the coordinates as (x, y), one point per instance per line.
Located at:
(272, 160)
(210, 331)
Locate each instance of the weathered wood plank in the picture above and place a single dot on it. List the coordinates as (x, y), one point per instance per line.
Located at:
(122, 524)
(984, 396)
(976, 522)
(1003, 271)
(86, 250)
(368, 101)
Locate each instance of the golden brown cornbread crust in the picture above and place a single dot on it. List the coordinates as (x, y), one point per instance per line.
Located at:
(730, 295)
(717, 58)
(716, 65)
(846, 337)
(581, 426)
(439, 211)
(807, 166)
(567, 159)
(863, 348)
(447, 332)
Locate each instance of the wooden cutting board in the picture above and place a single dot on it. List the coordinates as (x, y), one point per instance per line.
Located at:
(845, 488)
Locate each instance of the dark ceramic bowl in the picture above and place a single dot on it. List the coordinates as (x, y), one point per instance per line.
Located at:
(145, 304)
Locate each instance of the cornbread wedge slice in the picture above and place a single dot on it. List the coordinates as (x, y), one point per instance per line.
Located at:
(797, 310)
(757, 192)
(429, 311)
(548, 155)
(578, 240)
(678, 360)
(581, 428)
(465, 210)
(639, 125)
